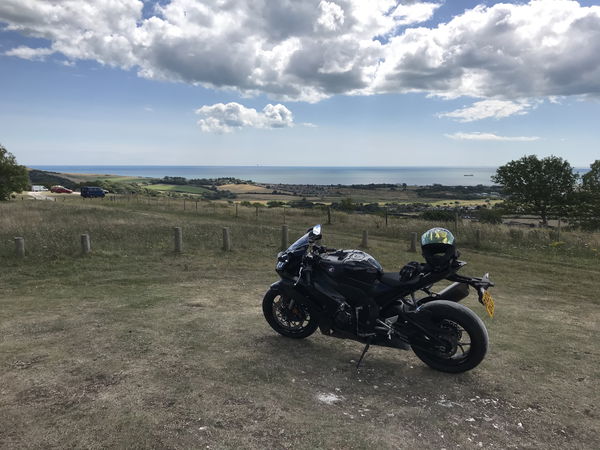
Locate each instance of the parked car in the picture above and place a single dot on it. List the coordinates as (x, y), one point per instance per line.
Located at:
(60, 190)
(92, 191)
(38, 188)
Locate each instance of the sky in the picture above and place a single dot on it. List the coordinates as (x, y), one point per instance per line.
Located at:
(299, 82)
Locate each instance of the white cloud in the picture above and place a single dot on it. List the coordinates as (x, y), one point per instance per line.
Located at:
(490, 137)
(507, 51)
(288, 49)
(486, 109)
(408, 14)
(332, 16)
(225, 118)
(312, 49)
(32, 54)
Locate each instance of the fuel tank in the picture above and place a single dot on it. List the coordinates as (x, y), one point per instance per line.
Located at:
(353, 267)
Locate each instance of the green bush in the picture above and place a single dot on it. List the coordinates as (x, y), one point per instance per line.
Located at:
(438, 215)
(493, 216)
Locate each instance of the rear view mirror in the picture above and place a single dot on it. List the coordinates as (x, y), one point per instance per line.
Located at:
(315, 233)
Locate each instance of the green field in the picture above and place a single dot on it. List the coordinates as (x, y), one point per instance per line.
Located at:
(134, 346)
(177, 188)
(124, 179)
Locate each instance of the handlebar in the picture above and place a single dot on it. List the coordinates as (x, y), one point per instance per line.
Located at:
(313, 251)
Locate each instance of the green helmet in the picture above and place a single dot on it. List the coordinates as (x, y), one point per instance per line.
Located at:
(438, 248)
(437, 236)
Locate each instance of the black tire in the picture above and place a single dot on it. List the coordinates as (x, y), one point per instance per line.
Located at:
(455, 320)
(298, 322)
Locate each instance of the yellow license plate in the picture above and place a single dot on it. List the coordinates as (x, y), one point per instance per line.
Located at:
(488, 302)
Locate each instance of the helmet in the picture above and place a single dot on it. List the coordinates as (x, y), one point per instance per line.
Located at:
(437, 246)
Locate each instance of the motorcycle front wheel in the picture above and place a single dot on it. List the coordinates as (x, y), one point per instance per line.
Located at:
(464, 337)
(288, 317)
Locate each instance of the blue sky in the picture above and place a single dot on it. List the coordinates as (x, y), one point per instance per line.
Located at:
(307, 82)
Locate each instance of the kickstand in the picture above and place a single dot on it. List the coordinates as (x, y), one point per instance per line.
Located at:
(364, 352)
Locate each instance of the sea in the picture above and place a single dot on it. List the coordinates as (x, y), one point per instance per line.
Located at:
(419, 176)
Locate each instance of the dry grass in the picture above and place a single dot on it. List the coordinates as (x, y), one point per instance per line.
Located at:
(244, 188)
(136, 347)
(74, 213)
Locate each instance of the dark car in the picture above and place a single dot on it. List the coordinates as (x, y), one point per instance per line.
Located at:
(92, 191)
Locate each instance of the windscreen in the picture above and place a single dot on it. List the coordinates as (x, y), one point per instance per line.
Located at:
(302, 242)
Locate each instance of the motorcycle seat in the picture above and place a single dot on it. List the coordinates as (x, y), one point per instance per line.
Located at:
(392, 279)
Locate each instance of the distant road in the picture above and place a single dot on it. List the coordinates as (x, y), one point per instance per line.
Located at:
(46, 195)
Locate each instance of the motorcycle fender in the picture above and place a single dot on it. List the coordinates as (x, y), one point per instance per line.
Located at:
(421, 322)
(424, 300)
(288, 288)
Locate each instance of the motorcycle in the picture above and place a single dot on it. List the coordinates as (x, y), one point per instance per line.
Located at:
(326, 288)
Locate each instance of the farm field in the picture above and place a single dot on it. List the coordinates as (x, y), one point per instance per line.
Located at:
(176, 188)
(134, 346)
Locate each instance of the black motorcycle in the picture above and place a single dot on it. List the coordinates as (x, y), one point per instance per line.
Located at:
(326, 289)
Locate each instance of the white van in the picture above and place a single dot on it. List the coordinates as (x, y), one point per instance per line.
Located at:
(37, 188)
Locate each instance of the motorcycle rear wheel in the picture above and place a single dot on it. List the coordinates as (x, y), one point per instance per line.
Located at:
(297, 321)
(464, 332)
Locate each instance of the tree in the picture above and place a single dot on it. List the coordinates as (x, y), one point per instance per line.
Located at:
(587, 209)
(13, 177)
(347, 204)
(493, 216)
(540, 186)
(591, 180)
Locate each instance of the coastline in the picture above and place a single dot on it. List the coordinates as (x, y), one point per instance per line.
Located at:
(296, 175)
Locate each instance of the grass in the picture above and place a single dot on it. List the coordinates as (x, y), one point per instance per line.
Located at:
(82, 177)
(124, 179)
(177, 188)
(134, 346)
(244, 189)
(481, 202)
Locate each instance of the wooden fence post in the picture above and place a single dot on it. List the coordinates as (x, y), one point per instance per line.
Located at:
(196, 205)
(413, 243)
(85, 244)
(386, 216)
(20, 247)
(365, 239)
(478, 238)
(257, 211)
(236, 210)
(329, 215)
(284, 237)
(178, 238)
(456, 221)
(283, 207)
(184, 204)
(226, 239)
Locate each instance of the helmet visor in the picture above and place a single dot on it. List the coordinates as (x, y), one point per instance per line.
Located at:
(437, 236)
